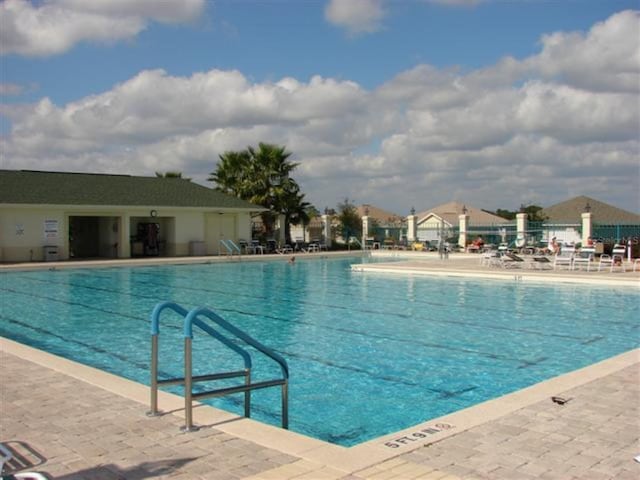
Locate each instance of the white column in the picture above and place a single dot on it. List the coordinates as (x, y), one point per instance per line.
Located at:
(281, 227)
(521, 229)
(125, 234)
(587, 227)
(365, 230)
(326, 229)
(463, 222)
(412, 228)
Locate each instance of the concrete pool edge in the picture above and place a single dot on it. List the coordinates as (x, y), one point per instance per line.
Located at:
(423, 268)
(156, 261)
(341, 458)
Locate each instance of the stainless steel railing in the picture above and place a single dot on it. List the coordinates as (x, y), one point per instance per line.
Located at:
(203, 318)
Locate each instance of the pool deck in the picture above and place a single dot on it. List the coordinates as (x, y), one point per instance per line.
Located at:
(74, 422)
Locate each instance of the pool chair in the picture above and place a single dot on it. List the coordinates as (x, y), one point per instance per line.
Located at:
(511, 260)
(564, 259)
(15, 463)
(490, 258)
(284, 249)
(256, 247)
(584, 258)
(613, 261)
(540, 262)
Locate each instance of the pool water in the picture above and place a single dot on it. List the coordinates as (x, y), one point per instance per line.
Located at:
(368, 354)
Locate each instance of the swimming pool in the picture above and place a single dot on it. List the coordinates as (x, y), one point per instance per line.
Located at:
(368, 354)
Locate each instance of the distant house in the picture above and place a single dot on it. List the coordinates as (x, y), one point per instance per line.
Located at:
(564, 220)
(385, 225)
(445, 218)
(381, 217)
(51, 215)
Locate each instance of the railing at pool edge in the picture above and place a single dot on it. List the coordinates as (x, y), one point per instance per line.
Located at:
(231, 247)
(191, 318)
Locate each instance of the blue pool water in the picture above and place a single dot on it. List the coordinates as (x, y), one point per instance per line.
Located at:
(369, 354)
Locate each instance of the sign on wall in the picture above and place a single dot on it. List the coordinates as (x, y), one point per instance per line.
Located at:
(51, 230)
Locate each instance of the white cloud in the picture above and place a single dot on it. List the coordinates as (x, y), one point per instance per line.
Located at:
(357, 16)
(605, 59)
(56, 26)
(519, 131)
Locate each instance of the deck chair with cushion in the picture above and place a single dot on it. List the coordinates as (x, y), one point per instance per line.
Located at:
(584, 258)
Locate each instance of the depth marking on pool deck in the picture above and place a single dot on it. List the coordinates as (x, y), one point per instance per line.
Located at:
(417, 435)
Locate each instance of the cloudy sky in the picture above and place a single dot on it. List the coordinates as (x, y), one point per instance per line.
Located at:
(494, 103)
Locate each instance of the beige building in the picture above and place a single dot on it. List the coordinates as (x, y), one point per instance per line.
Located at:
(443, 219)
(54, 215)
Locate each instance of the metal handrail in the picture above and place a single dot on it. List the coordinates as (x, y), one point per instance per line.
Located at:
(193, 319)
(190, 319)
(231, 247)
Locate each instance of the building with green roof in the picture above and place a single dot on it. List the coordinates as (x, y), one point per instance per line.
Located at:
(49, 215)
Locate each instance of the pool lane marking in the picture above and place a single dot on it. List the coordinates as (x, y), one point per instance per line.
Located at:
(480, 353)
(306, 302)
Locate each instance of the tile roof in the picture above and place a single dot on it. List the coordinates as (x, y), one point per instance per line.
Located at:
(451, 211)
(383, 217)
(570, 211)
(63, 188)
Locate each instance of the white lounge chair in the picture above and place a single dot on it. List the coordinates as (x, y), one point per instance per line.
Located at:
(564, 258)
(583, 258)
(613, 261)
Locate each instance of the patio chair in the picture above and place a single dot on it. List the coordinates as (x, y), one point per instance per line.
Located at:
(12, 464)
(613, 261)
(256, 247)
(583, 258)
(244, 246)
(286, 248)
(490, 258)
(564, 258)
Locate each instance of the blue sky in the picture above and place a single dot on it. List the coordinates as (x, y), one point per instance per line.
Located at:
(394, 103)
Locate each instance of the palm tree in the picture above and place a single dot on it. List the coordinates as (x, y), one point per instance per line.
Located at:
(170, 175)
(262, 176)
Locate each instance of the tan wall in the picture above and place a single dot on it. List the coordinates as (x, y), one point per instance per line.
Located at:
(22, 229)
(22, 235)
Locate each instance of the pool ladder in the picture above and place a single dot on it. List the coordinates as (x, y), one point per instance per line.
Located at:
(198, 317)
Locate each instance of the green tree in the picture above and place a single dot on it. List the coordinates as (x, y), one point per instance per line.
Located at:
(263, 176)
(533, 212)
(349, 222)
(506, 214)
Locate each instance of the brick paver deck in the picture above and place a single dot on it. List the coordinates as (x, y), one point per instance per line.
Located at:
(84, 432)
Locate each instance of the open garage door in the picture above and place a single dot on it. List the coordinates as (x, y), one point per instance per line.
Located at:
(93, 237)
